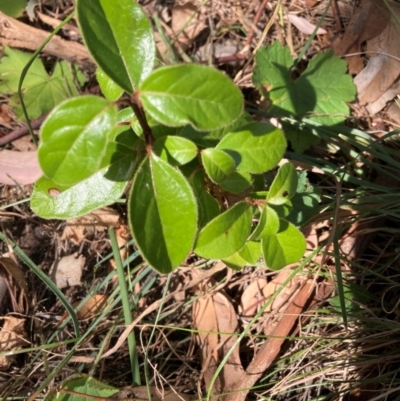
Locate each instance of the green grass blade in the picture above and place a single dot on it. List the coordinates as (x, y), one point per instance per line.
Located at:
(126, 308)
(46, 279)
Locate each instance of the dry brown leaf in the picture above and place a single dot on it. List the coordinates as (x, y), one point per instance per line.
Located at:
(67, 272)
(393, 112)
(375, 107)
(12, 337)
(383, 67)
(91, 307)
(259, 292)
(252, 298)
(5, 115)
(185, 25)
(9, 267)
(205, 321)
(368, 21)
(19, 167)
(283, 298)
(303, 25)
(101, 219)
(216, 320)
(227, 324)
(311, 3)
(24, 144)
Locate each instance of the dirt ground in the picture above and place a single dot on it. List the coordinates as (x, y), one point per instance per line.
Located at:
(188, 324)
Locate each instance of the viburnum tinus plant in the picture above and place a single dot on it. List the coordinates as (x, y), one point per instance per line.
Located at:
(195, 160)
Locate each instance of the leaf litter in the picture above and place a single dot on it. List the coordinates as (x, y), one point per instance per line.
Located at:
(212, 310)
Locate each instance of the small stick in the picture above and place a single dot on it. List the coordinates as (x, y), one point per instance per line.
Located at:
(255, 22)
(20, 132)
(336, 15)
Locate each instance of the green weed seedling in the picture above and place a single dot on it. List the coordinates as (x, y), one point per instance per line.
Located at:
(179, 135)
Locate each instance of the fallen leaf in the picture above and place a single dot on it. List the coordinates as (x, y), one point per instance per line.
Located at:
(285, 294)
(5, 115)
(12, 337)
(259, 292)
(393, 112)
(24, 144)
(227, 326)
(185, 25)
(304, 25)
(375, 107)
(368, 21)
(205, 321)
(99, 220)
(216, 322)
(67, 272)
(19, 167)
(383, 66)
(91, 307)
(14, 278)
(252, 298)
(311, 3)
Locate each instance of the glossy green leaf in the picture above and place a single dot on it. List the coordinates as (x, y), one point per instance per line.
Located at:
(226, 234)
(175, 150)
(256, 147)
(74, 139)
(237, 182)
(284, 185)
(251, 252)
(120, 38)
(217, 164)
(109, 88)
(191, 94)
(162, 214)
(235, 261)
(248, 255)
(284, 248)
(88, 195)
(267, 225)
(54, 201)
(83, 387)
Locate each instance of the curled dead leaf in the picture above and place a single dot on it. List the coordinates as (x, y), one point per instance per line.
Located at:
(12, 337)
(14, 284)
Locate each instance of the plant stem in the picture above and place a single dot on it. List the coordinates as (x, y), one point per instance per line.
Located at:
(137, 107)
